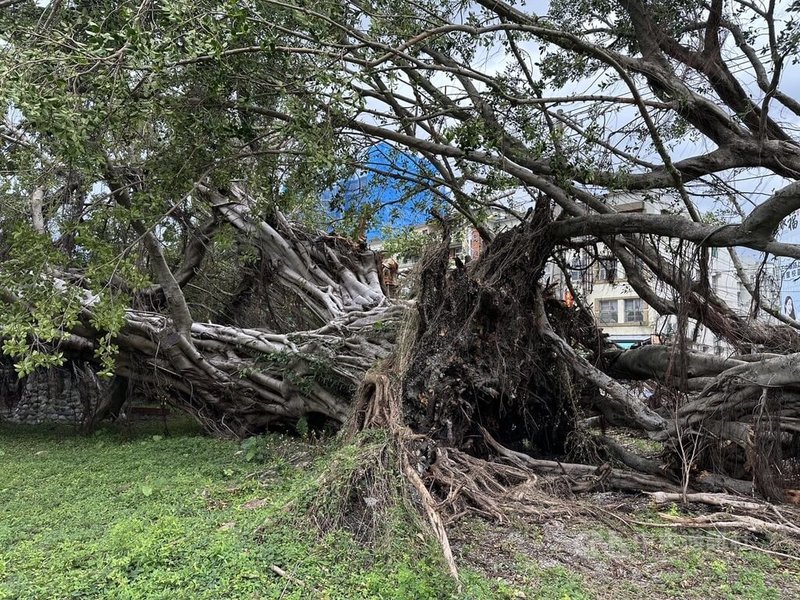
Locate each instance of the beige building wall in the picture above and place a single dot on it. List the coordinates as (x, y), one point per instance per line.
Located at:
(623, 316)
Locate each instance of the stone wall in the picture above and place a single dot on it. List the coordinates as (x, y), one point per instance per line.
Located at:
(67, 394)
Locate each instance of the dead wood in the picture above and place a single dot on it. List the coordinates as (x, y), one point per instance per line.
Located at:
(720, 521)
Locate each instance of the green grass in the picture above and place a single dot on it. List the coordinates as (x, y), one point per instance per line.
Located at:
(148, 516)
(553, 583)
(696, 564)
(139, 515)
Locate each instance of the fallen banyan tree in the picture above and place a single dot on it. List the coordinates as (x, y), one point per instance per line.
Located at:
(484, 379)
(488, 388)
(483, 362)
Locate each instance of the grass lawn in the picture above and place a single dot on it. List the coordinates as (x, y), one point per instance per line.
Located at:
(142, 515)
(149, 516)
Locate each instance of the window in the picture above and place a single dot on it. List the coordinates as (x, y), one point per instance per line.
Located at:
(608, 269)
(608, 311)
(577, 269)
(633, 310)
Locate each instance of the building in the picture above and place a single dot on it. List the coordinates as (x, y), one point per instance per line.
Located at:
(371, 200)
(729, 287)
(628, 320)
(601, 282)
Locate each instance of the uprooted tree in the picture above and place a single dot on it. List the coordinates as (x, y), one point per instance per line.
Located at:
(163, 165)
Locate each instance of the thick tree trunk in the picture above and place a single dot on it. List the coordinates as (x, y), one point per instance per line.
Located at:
(239, 381)
(480, 358)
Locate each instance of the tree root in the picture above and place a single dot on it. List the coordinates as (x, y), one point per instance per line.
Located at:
(457, 411)
(434, 518)
(719, 521)
(722, 500)
(360, 489)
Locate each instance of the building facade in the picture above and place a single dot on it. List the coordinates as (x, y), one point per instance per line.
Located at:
(628, 320)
